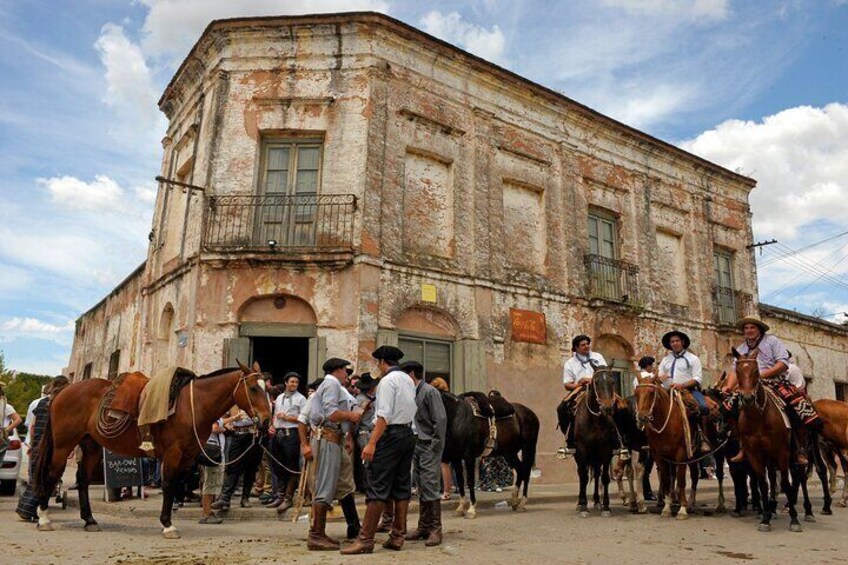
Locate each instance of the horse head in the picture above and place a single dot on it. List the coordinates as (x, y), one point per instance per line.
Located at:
(604, 387)
(647, 389)
(747, 375)
(251, 395)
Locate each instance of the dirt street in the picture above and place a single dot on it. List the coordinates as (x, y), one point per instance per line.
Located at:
(549, 532)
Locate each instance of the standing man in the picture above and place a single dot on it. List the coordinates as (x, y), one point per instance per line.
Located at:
(244, 451)
(430, 425)
(576, 374)
(388, 453)
(773, 364)
(285, 446)
(330, 414)
(681, 370)
(365, 401)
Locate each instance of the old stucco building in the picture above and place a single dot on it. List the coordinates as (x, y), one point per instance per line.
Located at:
(338, 182)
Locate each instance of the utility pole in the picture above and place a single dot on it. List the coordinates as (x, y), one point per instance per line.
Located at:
(761, 244)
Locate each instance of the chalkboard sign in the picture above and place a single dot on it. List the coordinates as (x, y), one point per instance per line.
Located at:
(121, 471)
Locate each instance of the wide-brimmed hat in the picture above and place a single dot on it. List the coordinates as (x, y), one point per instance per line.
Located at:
(387, 353)
(666, 339)
(752, 320)
(334, 363)
(366, 382)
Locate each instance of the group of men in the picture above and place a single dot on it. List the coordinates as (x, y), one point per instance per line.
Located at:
(397, 419)
(682, 370)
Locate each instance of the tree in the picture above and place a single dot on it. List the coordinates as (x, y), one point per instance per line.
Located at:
(21, 388)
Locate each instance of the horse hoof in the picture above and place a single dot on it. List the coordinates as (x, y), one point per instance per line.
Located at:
(92, 528)
(666, 512)
(721, 510)
(45, 527)
(597, 506)
(764, 528)
(459, 513)
(606, 514)
(795, 528)
(170, 533)
(735, 514)
(682, 516)
(809, 518)
(842, 504)
(827, 511)
(584, 514)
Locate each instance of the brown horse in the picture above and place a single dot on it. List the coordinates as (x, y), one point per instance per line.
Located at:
(766, 441)
(73, 417)
(663, 421)
(834, 434)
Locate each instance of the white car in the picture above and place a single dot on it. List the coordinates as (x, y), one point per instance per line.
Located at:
(10, 469)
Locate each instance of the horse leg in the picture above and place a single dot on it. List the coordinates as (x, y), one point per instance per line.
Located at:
(583, 473)
(619, 472)
(695, 476)
(772, 502)
(763, 475)
(170, 478)
(739, 476)
(683, 513)
(91, 458)
(460, 485)
(808, 506)
(664, 498)
(843, 458)
(515, 463)
(719, 473)
(790, 487)
(56, 467)
(605, 478)
(638, 473)
(596, 475)
(471, 513)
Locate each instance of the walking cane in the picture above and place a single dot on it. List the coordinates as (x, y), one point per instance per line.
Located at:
(301, 490)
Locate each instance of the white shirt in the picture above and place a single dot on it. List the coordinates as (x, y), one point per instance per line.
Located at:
(574, 369)
(8, 410)
(395, 401)
(686, 367)
(796, 377)
(290, 405)
(644, 375)
(303, 417)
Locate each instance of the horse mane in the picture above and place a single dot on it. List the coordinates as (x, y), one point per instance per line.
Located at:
(218, 372)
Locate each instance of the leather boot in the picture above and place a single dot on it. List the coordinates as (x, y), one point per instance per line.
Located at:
(396, 537)
(424, 523)
(288, 497)
(318, 540)
(365, 542)
(739, 457)
(387, 518)
(435, 537)
(223, 502)
(802, 442)
(348, 505)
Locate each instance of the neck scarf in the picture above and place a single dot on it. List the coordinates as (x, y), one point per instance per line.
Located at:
(677, 358)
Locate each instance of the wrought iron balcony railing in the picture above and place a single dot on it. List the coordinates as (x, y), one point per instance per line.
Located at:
(730, 305)
(271, 222)
(612, 279)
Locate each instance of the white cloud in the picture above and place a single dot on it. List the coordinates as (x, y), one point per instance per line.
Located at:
(172, 26)
(799, 158)
(102, 194)
(711, 10)
(130, 87)
(486, 43)
(34, 326)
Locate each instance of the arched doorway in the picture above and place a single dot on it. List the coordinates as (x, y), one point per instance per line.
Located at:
(164, 333)
(428, 336)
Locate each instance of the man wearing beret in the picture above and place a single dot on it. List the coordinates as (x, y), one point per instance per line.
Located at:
(388, 453)
(330, 413)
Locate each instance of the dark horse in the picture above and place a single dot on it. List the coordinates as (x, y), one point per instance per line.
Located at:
(468, 430)
(73, 418)
(766, 441)
(595, 437)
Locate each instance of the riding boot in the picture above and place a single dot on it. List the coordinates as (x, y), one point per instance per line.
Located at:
(802, 443)
(398, 533)
(435, 537)
(318, 540)
(348, 505)
(424, 522)
(739, 457)
(288, 497)
(388, 517)
(230, 482)
(704, 425)
(364, 543)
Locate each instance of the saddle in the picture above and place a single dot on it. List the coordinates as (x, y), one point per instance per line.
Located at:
(491, 408)
(126, 392)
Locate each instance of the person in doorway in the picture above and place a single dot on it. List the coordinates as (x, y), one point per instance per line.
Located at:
(285, 447)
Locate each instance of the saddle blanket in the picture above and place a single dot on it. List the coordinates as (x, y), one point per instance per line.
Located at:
(158, 399)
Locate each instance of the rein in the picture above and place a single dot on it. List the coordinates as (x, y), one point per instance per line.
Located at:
(653, 405)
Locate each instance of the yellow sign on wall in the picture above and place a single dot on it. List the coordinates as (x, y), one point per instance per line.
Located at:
(428, 293)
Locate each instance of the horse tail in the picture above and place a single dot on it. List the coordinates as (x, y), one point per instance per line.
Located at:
(44, 456)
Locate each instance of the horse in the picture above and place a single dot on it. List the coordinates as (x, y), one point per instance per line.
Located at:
(766, 441)
(595, 438)
(73, 420)
(468, 430)
(834, 436)
(667, 444)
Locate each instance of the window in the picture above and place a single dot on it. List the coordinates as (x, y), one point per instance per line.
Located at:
(841, 391)
(114, 363)
(86, 372)
(602, 235)
(724, 300)
(289, 185)
(435, 355)
(609, 278)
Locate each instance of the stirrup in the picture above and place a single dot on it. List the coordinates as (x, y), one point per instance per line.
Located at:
(624, 454)
(146, 446)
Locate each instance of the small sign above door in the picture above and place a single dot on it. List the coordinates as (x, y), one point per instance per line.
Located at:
(528, 326)
(428, 293)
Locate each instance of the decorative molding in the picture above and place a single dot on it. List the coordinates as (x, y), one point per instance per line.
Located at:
(524, 155)
(443, 127)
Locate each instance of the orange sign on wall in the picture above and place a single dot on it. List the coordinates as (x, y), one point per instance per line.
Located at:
(529, 327)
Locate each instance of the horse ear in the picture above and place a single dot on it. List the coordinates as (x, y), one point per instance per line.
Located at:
(244, 368)
(734, 352)
(256, 368)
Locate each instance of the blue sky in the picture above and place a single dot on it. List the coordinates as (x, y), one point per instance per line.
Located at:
(758, 87)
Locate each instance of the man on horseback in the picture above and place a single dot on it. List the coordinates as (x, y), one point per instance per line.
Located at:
(773, 363)
(576, 376)
(681, 370)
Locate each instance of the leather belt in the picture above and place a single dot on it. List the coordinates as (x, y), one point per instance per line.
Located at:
(239, 431)
(286, 431)
(330, 435)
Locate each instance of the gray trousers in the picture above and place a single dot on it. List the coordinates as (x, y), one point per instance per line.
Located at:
(327, 471)
(427, 469)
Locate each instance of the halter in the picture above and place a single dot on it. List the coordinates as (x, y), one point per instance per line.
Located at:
(595, 394)
(653, 404)
(758, 388)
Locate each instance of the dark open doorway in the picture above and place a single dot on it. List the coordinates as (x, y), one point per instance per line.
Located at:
(279, 355)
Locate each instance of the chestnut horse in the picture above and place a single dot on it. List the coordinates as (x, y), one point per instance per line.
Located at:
(766, 441)
(663, 421)
(73, 417)
(834, 434)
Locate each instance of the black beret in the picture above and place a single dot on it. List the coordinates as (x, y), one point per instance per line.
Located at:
(387, 353)
(292, 374)
(334, 363)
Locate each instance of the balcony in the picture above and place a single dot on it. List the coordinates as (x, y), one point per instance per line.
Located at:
(277, 222)
(612, 279)
(730, 305)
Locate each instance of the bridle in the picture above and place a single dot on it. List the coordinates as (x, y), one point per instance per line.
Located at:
(595, 394)
(758, 389)
(650, 418)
